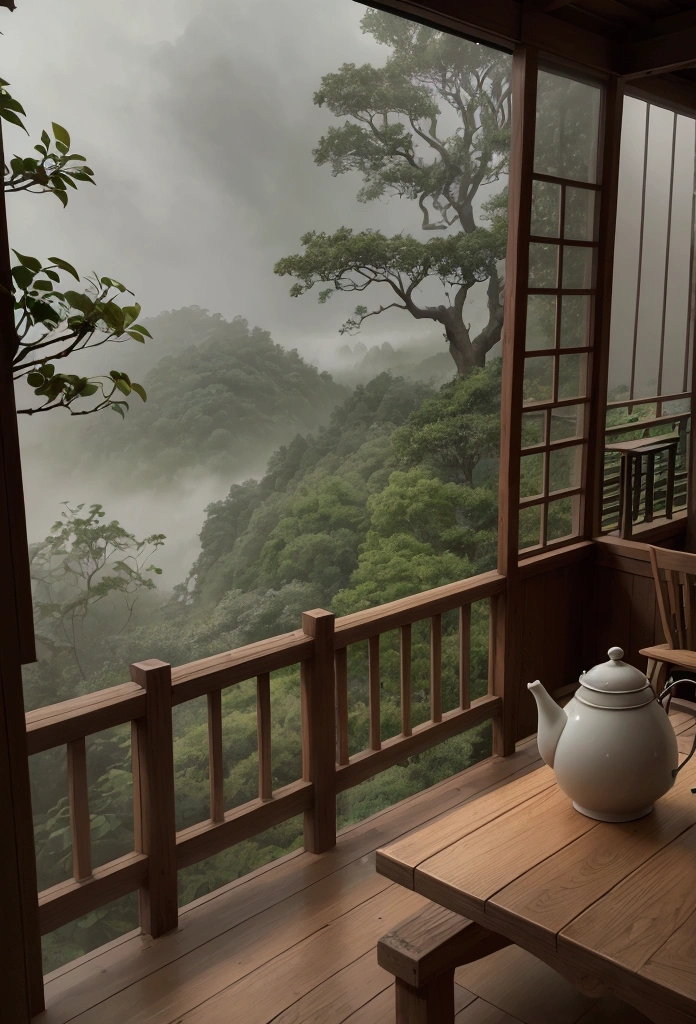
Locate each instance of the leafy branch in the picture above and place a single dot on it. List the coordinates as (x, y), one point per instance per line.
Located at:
(55, 170)
(53, 324)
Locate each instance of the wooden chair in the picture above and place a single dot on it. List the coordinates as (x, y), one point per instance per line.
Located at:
(674, 573)
(422, 954)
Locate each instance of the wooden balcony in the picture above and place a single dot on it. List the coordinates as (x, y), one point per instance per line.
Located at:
(295, 942)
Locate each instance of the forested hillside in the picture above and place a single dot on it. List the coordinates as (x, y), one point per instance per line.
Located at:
(226, 397)
(397, 494)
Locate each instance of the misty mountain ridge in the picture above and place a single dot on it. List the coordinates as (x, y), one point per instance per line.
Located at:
(224, 398)
(359, 364)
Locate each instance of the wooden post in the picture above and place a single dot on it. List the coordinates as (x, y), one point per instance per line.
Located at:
(506, 621)
(612, 112)
(153, 798)
(21, 984)
(319, 731)
(78, 797)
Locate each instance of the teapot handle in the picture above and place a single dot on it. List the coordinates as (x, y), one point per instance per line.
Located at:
(666, 695)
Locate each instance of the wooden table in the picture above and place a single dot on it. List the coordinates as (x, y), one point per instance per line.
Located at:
(610, 907)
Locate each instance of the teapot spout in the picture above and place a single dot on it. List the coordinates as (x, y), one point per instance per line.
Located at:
(552, 722)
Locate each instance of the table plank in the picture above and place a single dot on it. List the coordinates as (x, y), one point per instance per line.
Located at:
(673, 963)
(630, 924)
(544, 900)
(399, 860)
(470, 871)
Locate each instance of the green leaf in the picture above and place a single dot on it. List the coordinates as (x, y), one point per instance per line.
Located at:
(23, 277)
(61, 134)
(140, 330)
(116, 406)
(9, 115)
(35, 379)
(88, 390)
(43, 286)
(48, 369)
(62, 195)
(139, 390)
(136, 337)
(62, 148)
(80, 301)
(28, 261)
(45, 138)
(64, 265)
(123, 387)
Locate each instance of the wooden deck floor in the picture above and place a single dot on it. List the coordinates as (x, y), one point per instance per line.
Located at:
(294, 943)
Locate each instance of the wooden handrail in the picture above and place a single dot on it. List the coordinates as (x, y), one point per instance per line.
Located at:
(362, 625)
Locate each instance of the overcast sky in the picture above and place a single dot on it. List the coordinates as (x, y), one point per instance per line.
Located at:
(197, 118)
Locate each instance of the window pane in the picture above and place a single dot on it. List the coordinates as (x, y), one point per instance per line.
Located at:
(543, 265)
(565, 468)
(531, 475)
(546, 208)
(577, 266)
(530, 527)
(567, 422)
(561, 518)
(579, 214)
(533, 428)
(575, 321)
(541, 321)
(537, 385)
(567, 123)
(572, 376)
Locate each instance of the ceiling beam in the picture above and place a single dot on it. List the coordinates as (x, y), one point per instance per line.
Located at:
(508, 22)
(658, 54)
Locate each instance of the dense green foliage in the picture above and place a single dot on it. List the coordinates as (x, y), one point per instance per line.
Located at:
(362, 512)
(220, 405)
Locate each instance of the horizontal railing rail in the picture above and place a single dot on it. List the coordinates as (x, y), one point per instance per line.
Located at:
(320, 651)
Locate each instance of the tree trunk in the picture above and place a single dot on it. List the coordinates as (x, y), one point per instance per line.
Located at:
(460, 347)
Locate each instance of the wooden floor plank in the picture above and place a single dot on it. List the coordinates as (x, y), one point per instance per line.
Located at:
(92, 980)
(340, 995)
(523, 986)
(481, 1012)
(260, 996)
(193, 978)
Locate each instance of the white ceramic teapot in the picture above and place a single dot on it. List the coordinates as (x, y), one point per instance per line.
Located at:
(612, 747)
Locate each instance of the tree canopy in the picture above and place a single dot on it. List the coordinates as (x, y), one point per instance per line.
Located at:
(430, 126)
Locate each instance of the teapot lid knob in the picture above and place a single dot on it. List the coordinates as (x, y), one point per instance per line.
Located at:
(615, 653)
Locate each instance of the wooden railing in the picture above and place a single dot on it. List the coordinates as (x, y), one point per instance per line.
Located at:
(320, 649)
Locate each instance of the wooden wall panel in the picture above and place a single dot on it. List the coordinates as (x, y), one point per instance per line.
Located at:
(553, 628)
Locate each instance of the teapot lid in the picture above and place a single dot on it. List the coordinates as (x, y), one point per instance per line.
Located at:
(614, 676)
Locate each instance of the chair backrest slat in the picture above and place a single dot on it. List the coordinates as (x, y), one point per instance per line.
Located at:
(674, 573)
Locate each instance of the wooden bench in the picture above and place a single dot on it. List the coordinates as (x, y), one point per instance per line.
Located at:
(422, 953)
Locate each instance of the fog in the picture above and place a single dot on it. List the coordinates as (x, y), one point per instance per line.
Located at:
(197, 118)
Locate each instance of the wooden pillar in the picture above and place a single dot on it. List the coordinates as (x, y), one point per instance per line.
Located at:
(153, 798)
(21, 984)
(506, 610)
(610, 140)
(319, 731)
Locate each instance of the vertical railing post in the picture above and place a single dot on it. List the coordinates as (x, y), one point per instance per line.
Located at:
(319, 731)
(506, 623)
(153, 798)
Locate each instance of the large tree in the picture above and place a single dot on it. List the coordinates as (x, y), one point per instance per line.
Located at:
(430, 126)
